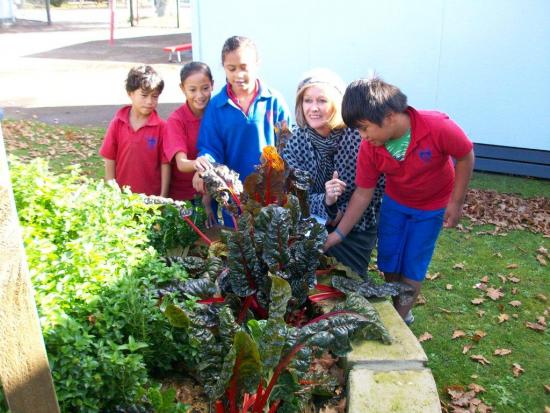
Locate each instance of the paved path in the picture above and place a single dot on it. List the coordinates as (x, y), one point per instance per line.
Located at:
(68, 73)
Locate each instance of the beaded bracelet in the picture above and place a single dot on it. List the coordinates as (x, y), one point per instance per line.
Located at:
(340, 234)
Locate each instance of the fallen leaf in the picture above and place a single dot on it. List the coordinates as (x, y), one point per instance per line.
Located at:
(514, 291)
(541, 297)
(543, 251)
(478, 301)
(466, 348)
(513, 279)
(502, 278)
(480, 359)
(432, 277)
(478, 335)
(458, 266)
(502, 352)
(547, 388)
(535, 326)
(517, 369)
(494, 293)
(420, 300)
(512, 266)
(458, 333)
(497, 254)
(515, 303)
(476, 387)
(485, 279)
(541, 320)
(503, 317)
(425, 337)
(449, 287)
(444, 310)
(480, 313)
(541, 260)
(515, 315)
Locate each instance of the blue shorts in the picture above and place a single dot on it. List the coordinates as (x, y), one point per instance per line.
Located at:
(406, 238)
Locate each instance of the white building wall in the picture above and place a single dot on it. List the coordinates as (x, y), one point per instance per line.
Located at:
(484, 62)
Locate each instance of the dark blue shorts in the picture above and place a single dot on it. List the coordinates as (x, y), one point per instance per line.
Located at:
(406, 239)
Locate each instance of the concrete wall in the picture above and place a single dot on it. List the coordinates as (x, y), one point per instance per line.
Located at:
(486, 63)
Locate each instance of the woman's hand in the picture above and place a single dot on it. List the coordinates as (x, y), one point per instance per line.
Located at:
(333, 189)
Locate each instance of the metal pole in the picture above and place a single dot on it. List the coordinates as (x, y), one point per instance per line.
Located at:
(131, 13)
(178, 13)
(48, 12)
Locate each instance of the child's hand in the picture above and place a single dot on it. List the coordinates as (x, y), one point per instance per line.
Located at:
(198, 183)
(332, 240)
(453, 212)
(202, 164)
(333, 189)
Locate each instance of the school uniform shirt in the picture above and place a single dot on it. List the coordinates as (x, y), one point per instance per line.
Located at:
(424, 179)
(304, 150)
(230, 137)
(182, 132)
(137, 154)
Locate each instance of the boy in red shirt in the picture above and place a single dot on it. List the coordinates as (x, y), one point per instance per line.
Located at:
(424, 190)
(132, 146)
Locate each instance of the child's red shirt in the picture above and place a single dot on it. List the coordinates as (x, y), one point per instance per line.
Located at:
(182, 132)
(137, 154)
(425, 178)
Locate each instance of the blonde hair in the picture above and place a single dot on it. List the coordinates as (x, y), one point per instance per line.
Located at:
(334, 87)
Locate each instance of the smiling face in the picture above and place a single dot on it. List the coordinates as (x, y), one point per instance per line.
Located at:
(197, 89)
(144, 102)
(241, 67)
(318, 109)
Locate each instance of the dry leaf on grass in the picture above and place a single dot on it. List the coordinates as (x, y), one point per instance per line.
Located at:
(480, 313)
(478, 335)
(517, 369)
(503, 317)
(541, 320)
(543, 251)
(432, 277)
(541, 297)
(458, 333)
(541, 260)
(466, 348)
(515, 303)
(494, 293)
(425, 337)
(512, 266)
(535, 326)
(513, 279)
(420, 300)
(449, 287)
(502, 352)
(478, 301)
(547, 388)
(458, 266)
(476, 387)
(480, 359)
(502, 278)
(485, 279)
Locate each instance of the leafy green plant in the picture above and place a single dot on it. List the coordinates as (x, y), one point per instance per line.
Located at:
(95, 277)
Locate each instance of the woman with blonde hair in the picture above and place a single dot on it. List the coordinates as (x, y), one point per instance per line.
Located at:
(323, 146)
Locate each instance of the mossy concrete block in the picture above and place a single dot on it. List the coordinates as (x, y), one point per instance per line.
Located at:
(405, 391)
(404, 350)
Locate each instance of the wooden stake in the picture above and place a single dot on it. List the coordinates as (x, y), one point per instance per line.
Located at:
(24, 370)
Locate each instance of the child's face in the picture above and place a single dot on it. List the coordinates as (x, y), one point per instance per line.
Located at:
(374, 134)
(317, 109)
(144, 102)
(241, 66)
(197, 89)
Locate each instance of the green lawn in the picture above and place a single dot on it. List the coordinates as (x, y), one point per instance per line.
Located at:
(462, 259)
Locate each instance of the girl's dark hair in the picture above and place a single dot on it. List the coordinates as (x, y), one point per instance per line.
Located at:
(235, 42)
(144, 77)
(195, 67)
(372, 100)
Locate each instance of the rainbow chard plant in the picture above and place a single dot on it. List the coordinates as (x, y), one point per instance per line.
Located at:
(264, 365)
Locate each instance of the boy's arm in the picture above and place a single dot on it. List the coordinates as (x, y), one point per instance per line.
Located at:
(359, 201)
(110, 169)
(463, 173)
(165, 180)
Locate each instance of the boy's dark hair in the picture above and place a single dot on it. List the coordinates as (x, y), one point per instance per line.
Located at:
(235, 42)
(371, 99)
(144, 77)
(195, 67)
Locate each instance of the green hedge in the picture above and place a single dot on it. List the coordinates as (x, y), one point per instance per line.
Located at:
(95, 275)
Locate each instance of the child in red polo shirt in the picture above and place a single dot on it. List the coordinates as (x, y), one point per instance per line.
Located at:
(132, 147)
(424, 190)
